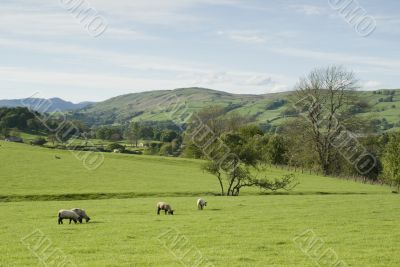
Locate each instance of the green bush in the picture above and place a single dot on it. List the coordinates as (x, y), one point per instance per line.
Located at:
(166, 149)
(115, 146)
(39, 141)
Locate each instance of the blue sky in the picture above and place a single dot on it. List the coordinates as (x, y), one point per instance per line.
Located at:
(239, 46)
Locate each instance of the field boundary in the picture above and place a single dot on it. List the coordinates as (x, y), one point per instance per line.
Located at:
(128, 195)
(97, 196)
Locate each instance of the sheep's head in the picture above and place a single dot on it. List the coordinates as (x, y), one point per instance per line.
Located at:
(171, 212)
(87, 219)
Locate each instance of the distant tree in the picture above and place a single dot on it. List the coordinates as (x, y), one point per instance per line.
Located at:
(234, 121)
(17, 117)
(276, 150)
(275, 104)
(146, 132)
(52, 138)
(132, 133)
(391, 161)
(15, 133)
(192, 151)
(33, 124)
(116, 137)
(113, 133)
(250, 131)
(290, 111)
(154, 148)
(39, 141)
(325, 95)
(168, 136)
(212, 117)
(166, 149)
(4, 130)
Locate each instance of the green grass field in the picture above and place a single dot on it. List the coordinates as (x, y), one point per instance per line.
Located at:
(359, 222)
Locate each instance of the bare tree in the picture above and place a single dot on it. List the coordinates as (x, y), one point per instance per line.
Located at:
(324, 97)
(132, 133)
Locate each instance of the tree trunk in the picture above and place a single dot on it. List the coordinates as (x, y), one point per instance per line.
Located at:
(230, 189)
(221, 184)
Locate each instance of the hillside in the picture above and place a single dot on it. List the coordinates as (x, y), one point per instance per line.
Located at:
(52, 104)
(268, 108)
(146, 106)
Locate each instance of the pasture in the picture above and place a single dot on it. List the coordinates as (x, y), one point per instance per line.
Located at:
(359, 222)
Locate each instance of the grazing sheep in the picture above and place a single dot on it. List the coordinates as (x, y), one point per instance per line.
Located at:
(166, 207)
(81, 213)
(201, 203)
(68, 214)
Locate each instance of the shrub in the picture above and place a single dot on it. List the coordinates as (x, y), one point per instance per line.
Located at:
(154, 147)
(276, 104)
(39, 141)
(166, 149)
(290, 111)
(114, 146)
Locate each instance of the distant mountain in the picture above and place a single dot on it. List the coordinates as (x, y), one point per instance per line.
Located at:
(381, 107)
(46, 105)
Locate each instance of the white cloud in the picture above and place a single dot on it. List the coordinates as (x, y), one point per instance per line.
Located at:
(238, 82)
(190, 73)
(171, 12)
(119, 59)
(57, 24)
(70, 79)
(339, 57)
(309, 10)
(250, 37)
(263, 80)
(276, 45)
(371, 85)
(48, 81)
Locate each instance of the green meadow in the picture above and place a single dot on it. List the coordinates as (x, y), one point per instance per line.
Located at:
(356, 223)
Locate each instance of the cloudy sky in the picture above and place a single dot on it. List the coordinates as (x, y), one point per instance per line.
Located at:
(239, 46)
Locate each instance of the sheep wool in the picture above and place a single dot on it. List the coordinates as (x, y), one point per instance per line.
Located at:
(165, 207)
(81, 213)
(201, 203)
(68, 214)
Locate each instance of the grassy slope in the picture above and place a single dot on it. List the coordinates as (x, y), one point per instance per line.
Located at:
(360, 222)
(29, 170)
(124, 107)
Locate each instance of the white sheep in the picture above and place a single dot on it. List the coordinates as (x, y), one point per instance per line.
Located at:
(166, 207)
(81, 213)
(68, 214)
(201, 203)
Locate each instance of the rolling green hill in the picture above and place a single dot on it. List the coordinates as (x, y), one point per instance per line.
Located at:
(268, 108)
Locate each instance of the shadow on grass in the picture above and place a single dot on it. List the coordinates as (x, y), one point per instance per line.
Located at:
(312, 193)
(317, 193)
(128, 195)
(98, 196)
